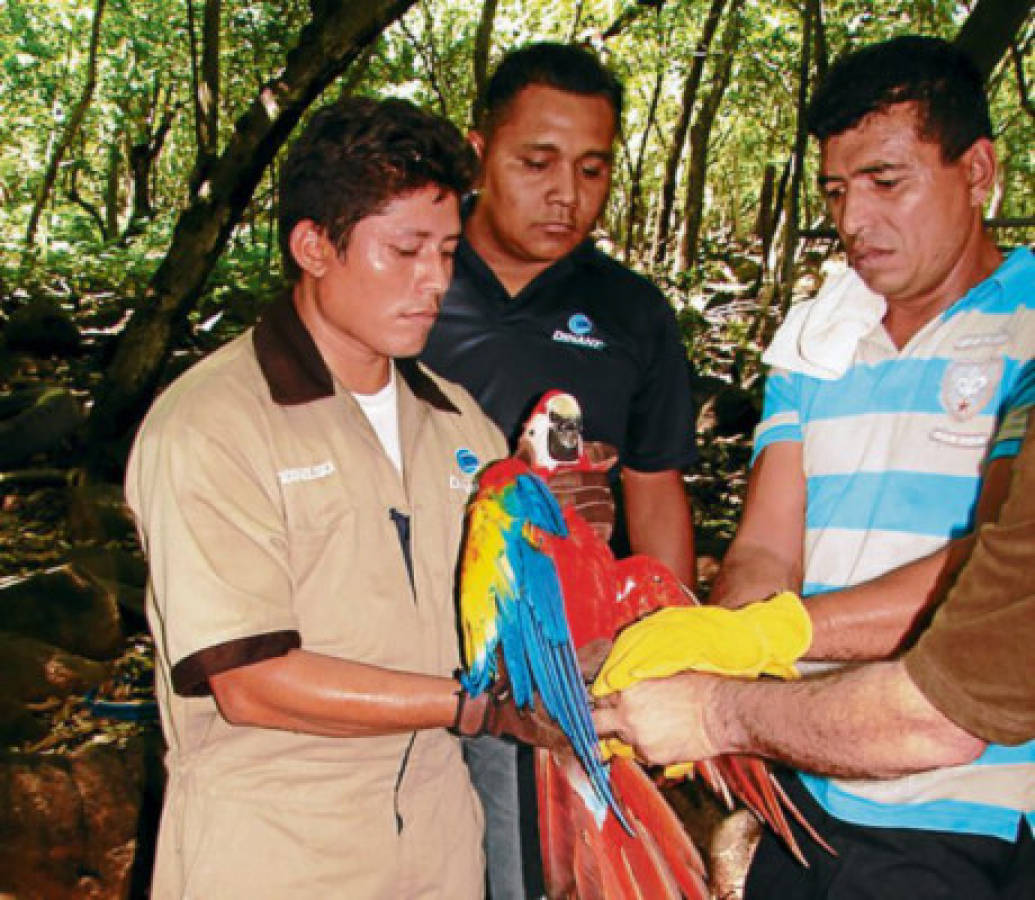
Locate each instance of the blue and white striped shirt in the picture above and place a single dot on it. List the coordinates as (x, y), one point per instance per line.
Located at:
(893, 452)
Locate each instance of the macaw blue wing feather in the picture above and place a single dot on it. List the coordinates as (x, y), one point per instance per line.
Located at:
(512, 602)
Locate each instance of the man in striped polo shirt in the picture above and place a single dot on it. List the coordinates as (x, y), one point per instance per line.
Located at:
(968, 681)
(883, 396)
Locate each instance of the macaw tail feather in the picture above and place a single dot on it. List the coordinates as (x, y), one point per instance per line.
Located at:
(646, 805)
(586, 854)
(750, 780)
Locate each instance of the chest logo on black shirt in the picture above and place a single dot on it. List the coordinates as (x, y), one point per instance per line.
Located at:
(579, 333)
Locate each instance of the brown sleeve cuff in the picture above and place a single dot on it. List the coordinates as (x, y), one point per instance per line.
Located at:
(190, 675)
(992, 712)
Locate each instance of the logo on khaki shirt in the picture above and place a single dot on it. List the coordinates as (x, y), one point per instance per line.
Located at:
(468, 463)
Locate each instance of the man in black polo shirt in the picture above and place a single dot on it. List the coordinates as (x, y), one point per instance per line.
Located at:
(533, 305)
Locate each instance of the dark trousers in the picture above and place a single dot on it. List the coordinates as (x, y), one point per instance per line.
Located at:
(889, 863)
(503, 773)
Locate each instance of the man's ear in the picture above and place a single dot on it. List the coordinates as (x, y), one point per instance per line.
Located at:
(980, 163)
(477, 141)
(310, 248)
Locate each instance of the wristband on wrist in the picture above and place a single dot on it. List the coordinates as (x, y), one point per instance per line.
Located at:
(461, 700)
(468, 707)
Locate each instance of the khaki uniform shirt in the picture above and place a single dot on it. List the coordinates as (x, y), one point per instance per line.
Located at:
(976, 662)
(273, 519)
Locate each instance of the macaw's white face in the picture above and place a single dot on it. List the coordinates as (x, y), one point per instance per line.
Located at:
(380, 298)
(910, 221)
(545, 174)
(565, 428)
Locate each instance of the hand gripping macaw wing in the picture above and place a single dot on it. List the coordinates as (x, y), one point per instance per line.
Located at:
(647, 586)
(511, 603)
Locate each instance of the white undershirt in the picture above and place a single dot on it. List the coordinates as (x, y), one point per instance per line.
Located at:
(382, 410)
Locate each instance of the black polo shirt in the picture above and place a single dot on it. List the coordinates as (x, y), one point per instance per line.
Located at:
(586, 325)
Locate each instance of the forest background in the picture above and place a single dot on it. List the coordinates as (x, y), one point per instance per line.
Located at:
(139, 149)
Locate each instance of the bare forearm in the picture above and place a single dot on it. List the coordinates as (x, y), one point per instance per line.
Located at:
(874, 620)
(751, 571)
(317, 694)
(766, 555)
(659, 520)
(866, 722)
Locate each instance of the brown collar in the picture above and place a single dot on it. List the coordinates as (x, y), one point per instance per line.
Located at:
(296, 372)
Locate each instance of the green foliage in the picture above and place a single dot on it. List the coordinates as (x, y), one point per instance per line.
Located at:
(144, 76)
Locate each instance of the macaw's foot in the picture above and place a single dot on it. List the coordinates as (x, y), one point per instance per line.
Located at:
(730, 853)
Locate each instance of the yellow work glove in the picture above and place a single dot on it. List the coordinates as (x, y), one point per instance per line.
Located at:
(764, 638)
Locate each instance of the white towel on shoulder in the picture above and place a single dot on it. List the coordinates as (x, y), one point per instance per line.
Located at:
(819, 336)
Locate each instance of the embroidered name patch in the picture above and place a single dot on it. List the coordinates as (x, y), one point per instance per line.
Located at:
(958, 439)
(992, 339)
(306, 473)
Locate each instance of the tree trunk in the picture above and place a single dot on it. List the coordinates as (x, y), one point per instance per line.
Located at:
(205, 83)
(142, 158)
(1022, 84)
(675, 154)
(763, 229)
(72, 190)
(480, 61)
(209, 98)
(989, 29)
(790, 247)
(761, 329)
(627, 17)
(635, 187)
(576, 21)
(700, 134)
(820, 54)
(325, 48)
(426, 49)
(72, 125)
(111, 190)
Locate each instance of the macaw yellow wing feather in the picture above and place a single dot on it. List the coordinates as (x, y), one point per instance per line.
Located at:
(486, 575)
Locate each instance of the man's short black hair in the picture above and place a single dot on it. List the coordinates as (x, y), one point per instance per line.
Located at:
(564, 67)
(357, 155)
(941, 79)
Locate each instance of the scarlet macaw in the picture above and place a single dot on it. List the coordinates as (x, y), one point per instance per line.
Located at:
(528, 566)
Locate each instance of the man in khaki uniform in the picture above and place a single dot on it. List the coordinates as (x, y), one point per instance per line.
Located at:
(300, 496)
